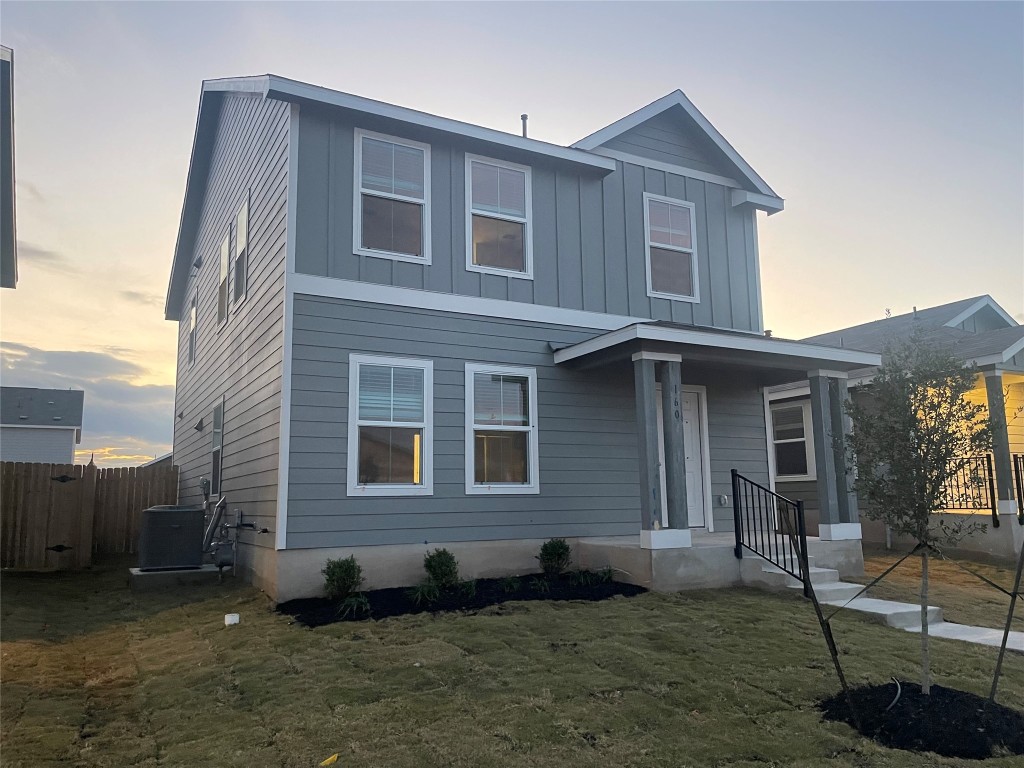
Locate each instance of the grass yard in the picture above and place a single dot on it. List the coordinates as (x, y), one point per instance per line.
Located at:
(95, 676)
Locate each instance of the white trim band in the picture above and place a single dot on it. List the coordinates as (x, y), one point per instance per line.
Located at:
(666, 538)
(840, 532)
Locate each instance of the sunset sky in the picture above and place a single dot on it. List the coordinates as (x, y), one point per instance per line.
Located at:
(895, 132)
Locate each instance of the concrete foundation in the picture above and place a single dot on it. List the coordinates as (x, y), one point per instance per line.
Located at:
(152, 581)
(997, 545)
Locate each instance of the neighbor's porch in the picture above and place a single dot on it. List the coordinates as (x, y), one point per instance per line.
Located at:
(684, 476)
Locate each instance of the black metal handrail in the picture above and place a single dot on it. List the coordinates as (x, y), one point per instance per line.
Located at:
(771, 526)
(973, 487)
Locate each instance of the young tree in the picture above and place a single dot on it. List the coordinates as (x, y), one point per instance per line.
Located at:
(914, 432)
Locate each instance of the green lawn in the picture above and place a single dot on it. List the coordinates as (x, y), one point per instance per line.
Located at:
(95, 676)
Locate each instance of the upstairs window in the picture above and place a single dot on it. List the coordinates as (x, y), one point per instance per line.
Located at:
(241, 261)
(392, 201)
(390, 426)
(193, 315)
(222, 285)
(794, 451)
(498, 220)
(501, 429)
(671, 248)
(217, 453)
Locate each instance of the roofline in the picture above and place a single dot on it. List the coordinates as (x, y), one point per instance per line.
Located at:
(285, 89)
(677, 98)
(984, 301)
(648, 332)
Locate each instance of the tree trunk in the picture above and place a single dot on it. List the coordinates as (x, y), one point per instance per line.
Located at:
(926, 685)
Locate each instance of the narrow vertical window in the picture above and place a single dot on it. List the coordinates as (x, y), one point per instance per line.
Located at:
(390, 426)
(222, 286)
(794, 452)
(192, 323)
(217, 453)
(392, 201)
(241, 258)
(501, 429)
(498, 217)
(671, 248)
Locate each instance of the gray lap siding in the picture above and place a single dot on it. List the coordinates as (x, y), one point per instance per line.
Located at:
(589, 477)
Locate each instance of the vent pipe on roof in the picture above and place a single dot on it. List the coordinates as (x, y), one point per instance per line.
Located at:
(524, 118)
(915, 313)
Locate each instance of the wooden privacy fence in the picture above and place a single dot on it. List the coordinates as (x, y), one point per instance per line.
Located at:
(56, 516)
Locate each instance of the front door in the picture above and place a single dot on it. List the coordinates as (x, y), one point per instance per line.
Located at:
(693, 442)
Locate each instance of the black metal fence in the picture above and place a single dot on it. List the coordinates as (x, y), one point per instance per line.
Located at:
(1018, 481)
(771, 526)
(973, 486)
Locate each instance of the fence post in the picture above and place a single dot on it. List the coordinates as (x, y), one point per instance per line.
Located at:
(805, 564)
(736, 513)
(993, 501)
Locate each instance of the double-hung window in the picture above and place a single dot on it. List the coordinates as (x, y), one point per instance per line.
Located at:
(241, 257)
(794, 450)
(193, 318)
(671, 248)
(222, 285)
(390, 435)
(501, 429)
(498, 232)
(392, 198)
(217, 453)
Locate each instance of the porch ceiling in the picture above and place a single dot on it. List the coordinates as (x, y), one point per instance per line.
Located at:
(777, 360)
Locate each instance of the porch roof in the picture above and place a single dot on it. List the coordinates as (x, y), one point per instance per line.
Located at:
(783, 359)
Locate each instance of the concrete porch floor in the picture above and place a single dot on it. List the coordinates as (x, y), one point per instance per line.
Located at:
(709, 563)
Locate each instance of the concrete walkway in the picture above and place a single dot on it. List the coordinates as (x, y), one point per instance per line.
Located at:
(906, 616)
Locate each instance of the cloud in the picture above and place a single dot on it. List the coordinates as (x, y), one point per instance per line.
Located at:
(125, 414)
(43, 257)
(138, 297)
(30, 190)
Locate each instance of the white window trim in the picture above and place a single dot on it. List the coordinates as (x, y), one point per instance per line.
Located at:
(225, 281)
(527, 221)
(222, 403)
(236, 303)
(352, 464)
(695, 267)
(533, 487)
(808, 439)
(357, 198)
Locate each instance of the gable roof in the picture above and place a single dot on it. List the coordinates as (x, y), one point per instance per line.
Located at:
(31, 407)
(938, 325)
(269, 86)
(678, 99)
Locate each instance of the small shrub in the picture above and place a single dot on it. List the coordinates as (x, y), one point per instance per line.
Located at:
(342, 578)
(540, 585)
(606, 575)
(555, 556)
(354, 605)
(442, 568)
(582, 578)
(424, 593)
(510, 584)
(468, 588)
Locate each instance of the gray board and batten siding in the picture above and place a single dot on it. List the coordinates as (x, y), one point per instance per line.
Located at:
(241, 360)
(588, 229)
(589, 477)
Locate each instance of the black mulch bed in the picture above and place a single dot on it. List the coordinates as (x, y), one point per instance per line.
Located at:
(318, 611)
(948, 722)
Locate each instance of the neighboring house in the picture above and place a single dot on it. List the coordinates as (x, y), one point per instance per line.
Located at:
(8, 229)
(160, 461)
(40, 425)
(400, 331)
(978, 332)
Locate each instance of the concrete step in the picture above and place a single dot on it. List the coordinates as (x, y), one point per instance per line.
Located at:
(890, 613)
(833, 591)
(969, 634)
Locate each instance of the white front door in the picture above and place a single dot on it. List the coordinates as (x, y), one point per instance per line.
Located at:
(693, 442)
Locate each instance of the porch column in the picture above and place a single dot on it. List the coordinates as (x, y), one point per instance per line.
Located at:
(675, 450)
(829, 424)
(647, 444)
(1000, 439)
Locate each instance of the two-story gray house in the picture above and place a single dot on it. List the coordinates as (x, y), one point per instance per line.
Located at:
(400, 331)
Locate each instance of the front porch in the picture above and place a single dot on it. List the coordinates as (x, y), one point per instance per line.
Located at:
(685, 537)
(709, 562)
